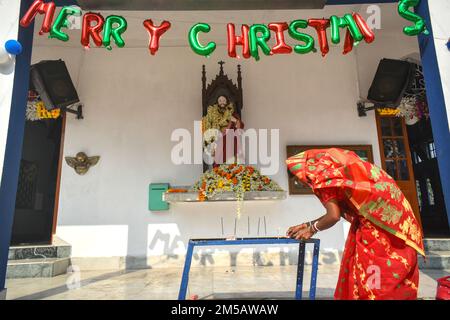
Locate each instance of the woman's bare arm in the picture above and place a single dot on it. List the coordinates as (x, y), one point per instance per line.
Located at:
(304, 231)
(332, 216)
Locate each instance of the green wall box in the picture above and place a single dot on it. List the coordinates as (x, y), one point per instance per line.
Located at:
(155, 199)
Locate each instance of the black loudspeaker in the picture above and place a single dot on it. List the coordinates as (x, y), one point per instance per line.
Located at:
(52, 81)
(391, 80)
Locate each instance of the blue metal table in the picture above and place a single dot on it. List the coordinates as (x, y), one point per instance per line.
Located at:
(257, 241)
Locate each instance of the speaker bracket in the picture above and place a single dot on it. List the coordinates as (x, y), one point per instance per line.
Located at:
(78, 111)
(362, 108)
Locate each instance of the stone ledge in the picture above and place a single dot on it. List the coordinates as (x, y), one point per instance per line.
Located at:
(58, 249)
(225, 196)
(432, 244)
(435, 260)
(37, 268)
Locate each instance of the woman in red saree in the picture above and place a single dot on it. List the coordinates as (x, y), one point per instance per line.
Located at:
(380, 255)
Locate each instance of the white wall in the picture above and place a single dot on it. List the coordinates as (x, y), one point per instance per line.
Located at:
(439, 12)
(9, 23)
(133, 101)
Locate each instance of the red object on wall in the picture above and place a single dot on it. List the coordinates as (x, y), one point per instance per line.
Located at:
(89, 30)
(155, 33)
(321, 26)
(281, 47)
(234, 40)
(38, 6)
(443, 289)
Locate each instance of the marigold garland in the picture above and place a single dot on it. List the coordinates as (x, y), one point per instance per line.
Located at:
(233, 178)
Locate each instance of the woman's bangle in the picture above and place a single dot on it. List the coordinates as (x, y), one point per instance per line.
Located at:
(315, 226)
(311, 227)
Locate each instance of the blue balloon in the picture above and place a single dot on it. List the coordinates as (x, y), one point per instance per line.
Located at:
(13, 47)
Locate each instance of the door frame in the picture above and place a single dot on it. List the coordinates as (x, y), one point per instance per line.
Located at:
(408, 158)
(58, 177)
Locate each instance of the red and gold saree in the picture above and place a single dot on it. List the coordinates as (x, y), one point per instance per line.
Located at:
(380, 255)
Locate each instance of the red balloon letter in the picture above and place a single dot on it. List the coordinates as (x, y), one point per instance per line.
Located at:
(234, 41)
(321, 26)
(155, 32)
(348, 43)
(281, 46)
(89, 30)
(40, 7)
(368, 34)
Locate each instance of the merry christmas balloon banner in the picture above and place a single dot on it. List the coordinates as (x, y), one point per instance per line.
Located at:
(252, 39)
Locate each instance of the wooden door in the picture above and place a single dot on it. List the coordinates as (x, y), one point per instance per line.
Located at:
(37, 183)
(396, 157)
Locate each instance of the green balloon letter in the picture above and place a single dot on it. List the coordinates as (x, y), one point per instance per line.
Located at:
(309, 41)
(259, 41)
(114, 32)
(346, 22)
(195, 43)
(419, 23)
(62, 22)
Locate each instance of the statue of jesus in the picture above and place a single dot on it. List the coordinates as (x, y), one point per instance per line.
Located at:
(222, 117)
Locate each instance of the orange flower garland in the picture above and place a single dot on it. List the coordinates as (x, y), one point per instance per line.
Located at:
(232, 178)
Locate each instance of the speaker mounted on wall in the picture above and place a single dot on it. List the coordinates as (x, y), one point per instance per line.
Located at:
(51, 79)
(390, 82)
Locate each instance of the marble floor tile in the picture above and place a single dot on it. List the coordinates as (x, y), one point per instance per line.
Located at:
(276, 282)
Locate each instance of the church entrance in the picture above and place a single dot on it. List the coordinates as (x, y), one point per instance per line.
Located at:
(408, 154)
(38, 183)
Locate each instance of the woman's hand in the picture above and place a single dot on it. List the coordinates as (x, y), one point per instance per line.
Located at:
(300, 232)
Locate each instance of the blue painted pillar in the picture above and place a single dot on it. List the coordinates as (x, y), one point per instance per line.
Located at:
(13, 151)
(436, 102)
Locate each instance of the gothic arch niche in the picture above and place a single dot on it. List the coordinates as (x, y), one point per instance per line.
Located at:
(222, 85)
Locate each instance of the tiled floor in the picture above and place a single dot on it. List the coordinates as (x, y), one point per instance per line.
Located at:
(206, 282)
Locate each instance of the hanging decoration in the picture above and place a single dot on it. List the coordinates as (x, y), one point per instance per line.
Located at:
(344, 22)
(280, 47)
(306, 38)
(8, 51)
(408, 110)
(195, 43)
(114, 27)
(234, 40)
(36, 111)
(62, 22)
(388, 111)
(252, 39)
(88, 30)
(259, 34)
(367, 33)
(155, 33)
(38, 6)
(419, 22)
(413, 109)
(321, 26)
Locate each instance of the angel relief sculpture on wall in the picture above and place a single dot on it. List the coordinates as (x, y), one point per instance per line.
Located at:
(81, 162)
(222, 124)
